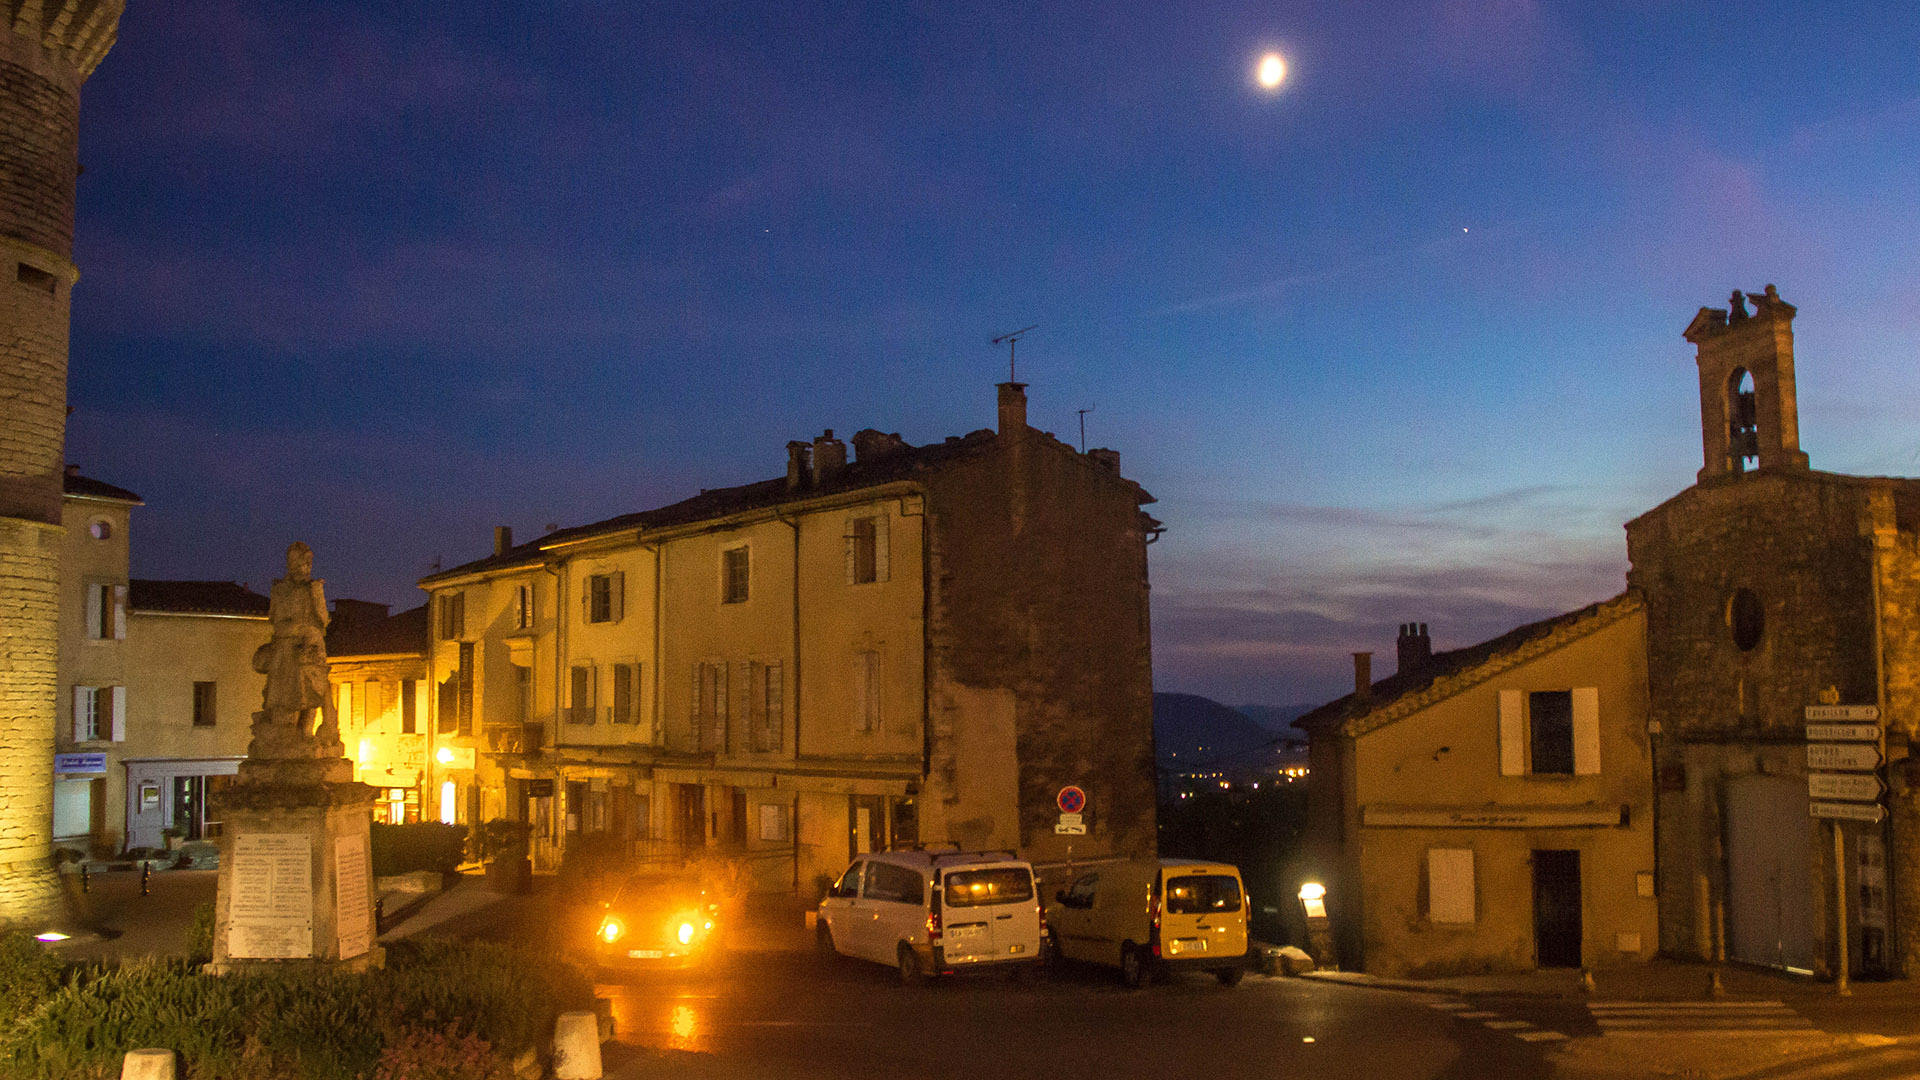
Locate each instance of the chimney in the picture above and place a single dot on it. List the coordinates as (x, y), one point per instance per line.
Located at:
(799, 470)
(1013, 407)
(829, 459)
(871, 445)
(502, 539)
(1415, 648)
(73, 470)
(1363, 676)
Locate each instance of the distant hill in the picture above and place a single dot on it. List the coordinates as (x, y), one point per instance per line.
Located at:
(1190, 728)
(1278, 718)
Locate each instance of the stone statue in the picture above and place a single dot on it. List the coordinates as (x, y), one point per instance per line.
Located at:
(294, 661)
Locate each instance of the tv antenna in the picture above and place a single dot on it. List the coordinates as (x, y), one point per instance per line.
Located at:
(1083, 427)
(1010, 340)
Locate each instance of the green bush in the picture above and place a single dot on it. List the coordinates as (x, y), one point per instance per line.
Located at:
(200, 935)
(29, 975)
(424, 845)
(478, 1005)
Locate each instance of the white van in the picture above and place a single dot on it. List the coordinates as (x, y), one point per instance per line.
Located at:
(1154, 916)
(933, 913)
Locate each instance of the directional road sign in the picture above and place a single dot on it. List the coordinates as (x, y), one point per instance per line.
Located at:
(1843, 732)
(1854, 787)
(1848, 811)
(1850, 757)
(1843, 712)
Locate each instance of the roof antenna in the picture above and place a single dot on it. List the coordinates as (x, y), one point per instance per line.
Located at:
(1083, 427)
(1010, 340)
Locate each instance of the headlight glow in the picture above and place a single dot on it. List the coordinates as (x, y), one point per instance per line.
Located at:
(686, 933)
(610, 930)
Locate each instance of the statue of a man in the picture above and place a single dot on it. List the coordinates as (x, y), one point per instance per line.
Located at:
(294, 660)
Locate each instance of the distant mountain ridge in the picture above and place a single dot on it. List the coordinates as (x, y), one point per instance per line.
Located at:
(1278, 718)
(1188, 728)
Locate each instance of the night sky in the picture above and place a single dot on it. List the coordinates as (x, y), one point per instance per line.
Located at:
(1398, 342)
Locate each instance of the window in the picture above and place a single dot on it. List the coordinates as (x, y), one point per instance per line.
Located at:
(849, 884)
(453, 616)
(1450, 885)
(1000, 885)
(605, 597)
(1746, 619)
(1550, 732)
(1081, 895)
(764, 706)
(449, 705)
(101, 529)
(867, 550)
(523, 607)
(897, 884)
(106, 611)
(523, 692)
(203, 701)
(773, 822)
(582, 695)
(733, 576)
(34, 277)
(866, 691)
(626, 693)
(1202, 894)
(99, 713)
(409, 707)
(465, 701)
(710, 712)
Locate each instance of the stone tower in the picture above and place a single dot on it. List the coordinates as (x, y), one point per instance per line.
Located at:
(1747, 411)
(47, 50)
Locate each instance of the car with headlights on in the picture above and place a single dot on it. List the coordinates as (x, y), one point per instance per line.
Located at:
(658, 920)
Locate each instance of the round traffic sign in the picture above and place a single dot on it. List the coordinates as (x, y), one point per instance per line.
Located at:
(1071, 800)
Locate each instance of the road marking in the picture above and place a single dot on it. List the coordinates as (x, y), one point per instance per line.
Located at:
(1539, 1036)
(1507, 1025)
(1697, 1017)
(1447, 1006)
(1478, 1014)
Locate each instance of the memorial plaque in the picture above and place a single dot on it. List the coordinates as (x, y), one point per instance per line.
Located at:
(353, 910)
(270, 915)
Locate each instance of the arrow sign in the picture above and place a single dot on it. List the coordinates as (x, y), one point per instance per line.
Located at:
(1844, 811)
(1843, 712)
(1850, 757)
(1843, 732)
(1854, 787)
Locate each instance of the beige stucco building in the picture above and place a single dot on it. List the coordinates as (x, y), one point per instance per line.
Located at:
(1490, 808)
(377, 665)
(916, 643)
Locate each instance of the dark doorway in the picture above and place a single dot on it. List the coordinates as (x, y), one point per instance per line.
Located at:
(692, 824)
(1556, 908)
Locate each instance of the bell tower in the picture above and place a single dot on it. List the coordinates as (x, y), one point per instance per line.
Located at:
(47, 50)
(1748, 419)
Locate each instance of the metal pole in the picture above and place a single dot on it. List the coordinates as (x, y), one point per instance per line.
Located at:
(1840, 936)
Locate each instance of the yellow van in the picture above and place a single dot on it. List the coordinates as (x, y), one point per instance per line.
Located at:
(1153, 917)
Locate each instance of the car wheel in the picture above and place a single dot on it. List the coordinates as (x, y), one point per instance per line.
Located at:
(1133, 967)
(823, 937)
(1230, 976)
(911, 973)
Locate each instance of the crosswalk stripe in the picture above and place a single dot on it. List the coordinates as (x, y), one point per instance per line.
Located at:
(1448, 1006)
(1697, 1006)
(1538, 1036)
(1507, 1025)
(1476, 1014)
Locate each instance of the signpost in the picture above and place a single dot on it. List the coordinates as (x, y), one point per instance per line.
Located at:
(1848, 757)
(1845, 741)
(1853, 787)
(1072, 803)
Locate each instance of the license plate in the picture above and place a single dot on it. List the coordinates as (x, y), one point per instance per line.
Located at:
(1016, 948)
(645, 954)
(1186, 945)
(965, 933)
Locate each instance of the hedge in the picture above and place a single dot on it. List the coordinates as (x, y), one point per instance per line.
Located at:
(423, 845)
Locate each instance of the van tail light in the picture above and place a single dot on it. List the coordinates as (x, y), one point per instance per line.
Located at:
(933, 927)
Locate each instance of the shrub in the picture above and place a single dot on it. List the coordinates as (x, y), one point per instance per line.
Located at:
(415, 1052)
(200, 935)
(29, 974)
(425, 845)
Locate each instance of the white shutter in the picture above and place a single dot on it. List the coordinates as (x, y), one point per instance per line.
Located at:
(119, 714)
(1586, 730)
(81, 694)
(618, 603)
(1513, 733)
(119, 612)
(880, 566)
(94, 599)
(1450, 884)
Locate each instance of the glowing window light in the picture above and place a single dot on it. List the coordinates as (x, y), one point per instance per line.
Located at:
(448, 804)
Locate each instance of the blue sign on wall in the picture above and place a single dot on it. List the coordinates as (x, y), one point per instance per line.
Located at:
(79, 763)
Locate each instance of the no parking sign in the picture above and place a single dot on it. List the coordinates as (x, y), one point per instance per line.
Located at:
(1071, 800)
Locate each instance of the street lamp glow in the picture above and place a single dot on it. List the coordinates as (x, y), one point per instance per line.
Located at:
(444, 755)
(1313, 890)
(1272, 71)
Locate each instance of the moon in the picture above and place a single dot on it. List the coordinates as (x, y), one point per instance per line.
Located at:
(1272, 71)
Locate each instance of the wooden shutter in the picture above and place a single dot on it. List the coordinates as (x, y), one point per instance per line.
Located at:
(1450, 885)
(880, 565)
(82, 698)
(119, 728)
(852, 540)
(1586, 730)
(756, 703)
(617, 600)
(586, 599)
(96, 628)
(722, 713)
(1513, 733)
(119, 612)
(695, 716)
(776, 723)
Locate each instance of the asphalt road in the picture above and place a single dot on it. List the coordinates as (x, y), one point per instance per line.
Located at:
(793, 1013)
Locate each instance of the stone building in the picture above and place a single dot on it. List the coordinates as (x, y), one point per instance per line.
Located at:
(377, 664)
(47, 50)
(1771, 588)
(1490, 808)
(920, 643)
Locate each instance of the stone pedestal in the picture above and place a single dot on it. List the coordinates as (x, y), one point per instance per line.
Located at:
(296, 869)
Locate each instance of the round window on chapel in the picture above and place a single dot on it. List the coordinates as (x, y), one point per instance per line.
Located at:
(1746, 618)
(101, 530)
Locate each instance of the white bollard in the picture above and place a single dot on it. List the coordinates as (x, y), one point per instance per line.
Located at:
(148, 1065)
(576, 1046)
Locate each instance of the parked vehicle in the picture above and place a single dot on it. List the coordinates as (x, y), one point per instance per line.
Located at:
(934, 913)
(657, 920)
(1154, 916)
